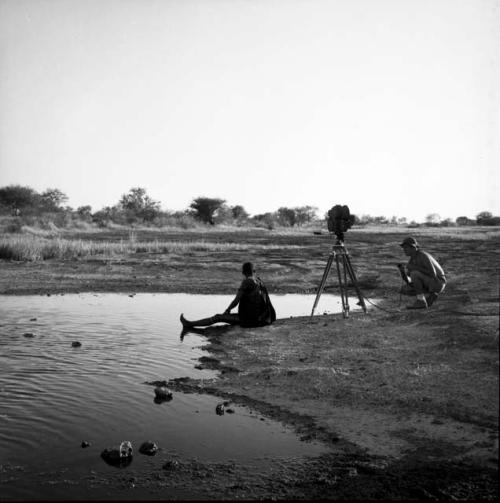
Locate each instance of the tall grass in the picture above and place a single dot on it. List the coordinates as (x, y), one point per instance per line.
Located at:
(32, 248)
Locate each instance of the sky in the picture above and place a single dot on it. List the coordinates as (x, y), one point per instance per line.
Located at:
(389, 106)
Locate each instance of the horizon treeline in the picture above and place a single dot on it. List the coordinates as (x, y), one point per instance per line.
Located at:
(137, 207)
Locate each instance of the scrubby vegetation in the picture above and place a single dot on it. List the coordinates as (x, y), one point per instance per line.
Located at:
(23, 210)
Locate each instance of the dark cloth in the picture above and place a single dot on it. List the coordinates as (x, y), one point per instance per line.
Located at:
(254, 308)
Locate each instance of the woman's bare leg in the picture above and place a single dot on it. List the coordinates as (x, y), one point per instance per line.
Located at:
(232, 319)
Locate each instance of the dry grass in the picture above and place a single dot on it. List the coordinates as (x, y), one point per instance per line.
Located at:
(28, 247)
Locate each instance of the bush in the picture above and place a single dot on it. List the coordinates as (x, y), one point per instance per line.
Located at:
(486, 218)
(177, 219)
(14, 226)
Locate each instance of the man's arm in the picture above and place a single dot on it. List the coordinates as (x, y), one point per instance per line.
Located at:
(404, 274)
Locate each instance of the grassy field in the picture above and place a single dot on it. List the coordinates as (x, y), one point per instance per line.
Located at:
(209, 261)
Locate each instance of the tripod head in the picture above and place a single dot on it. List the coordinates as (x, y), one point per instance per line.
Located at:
(339, 221)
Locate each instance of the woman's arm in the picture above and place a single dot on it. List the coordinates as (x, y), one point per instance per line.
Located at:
(234, 302)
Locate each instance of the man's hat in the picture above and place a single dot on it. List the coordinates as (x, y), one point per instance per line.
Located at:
(409, 242)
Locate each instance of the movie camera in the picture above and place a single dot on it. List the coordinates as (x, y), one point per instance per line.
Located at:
(339, 220)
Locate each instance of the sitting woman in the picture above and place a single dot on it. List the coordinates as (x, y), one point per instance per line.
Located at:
(254, 306)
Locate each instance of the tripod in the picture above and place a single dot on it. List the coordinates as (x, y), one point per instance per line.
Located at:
(344, 270)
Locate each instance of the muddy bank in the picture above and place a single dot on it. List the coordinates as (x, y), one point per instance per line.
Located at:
(414, 403)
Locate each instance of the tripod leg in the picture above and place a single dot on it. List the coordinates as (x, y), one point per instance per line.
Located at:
(342, 286)
(345, 267)
(323, 281)
(354, 281)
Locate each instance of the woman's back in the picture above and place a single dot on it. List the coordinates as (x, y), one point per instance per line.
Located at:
(252, 307)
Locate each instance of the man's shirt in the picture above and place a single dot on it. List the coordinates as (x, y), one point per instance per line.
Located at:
(426, 264)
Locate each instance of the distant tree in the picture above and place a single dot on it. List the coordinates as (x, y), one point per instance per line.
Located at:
(368, 219)
(138, 205)
(223, 214)
(52, 199)
(204, 208)
(16, 199)
(106, 215)
(305, 214)
(432, 219)
(268, 220)
(486, 218)
(380, 220)
(447, 222)
(461, 221)
(484, 215)
(287, 216)
(359, 219)
(239, 213)
(84, 212)
(395, 220)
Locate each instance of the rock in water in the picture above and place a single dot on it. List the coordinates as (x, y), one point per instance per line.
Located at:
(149, 448)
(126, 449)
(163, 393)
(118, 457)
(76, 344)
(219, 409)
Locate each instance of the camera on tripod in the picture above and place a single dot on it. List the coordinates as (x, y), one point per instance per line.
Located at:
(340, 220)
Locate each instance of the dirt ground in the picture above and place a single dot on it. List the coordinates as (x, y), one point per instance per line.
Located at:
(408, 400)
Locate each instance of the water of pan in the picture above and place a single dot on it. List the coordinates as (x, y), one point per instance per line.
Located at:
(53, 396)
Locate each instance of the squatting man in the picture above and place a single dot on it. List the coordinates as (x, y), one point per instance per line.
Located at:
(423, 275)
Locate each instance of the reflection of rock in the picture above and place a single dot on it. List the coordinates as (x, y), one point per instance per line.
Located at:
(120, 457)
(149, 448)
(162, 393)
(76, 344)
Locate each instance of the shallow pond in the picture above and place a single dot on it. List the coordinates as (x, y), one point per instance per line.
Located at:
(53, 396)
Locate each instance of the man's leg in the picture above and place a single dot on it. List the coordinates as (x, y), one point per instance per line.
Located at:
(407, 290)
(435, 288)
(426, 289)
(232, 319)
(419, 282)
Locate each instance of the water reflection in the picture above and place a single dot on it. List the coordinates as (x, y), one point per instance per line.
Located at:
(53, 396)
